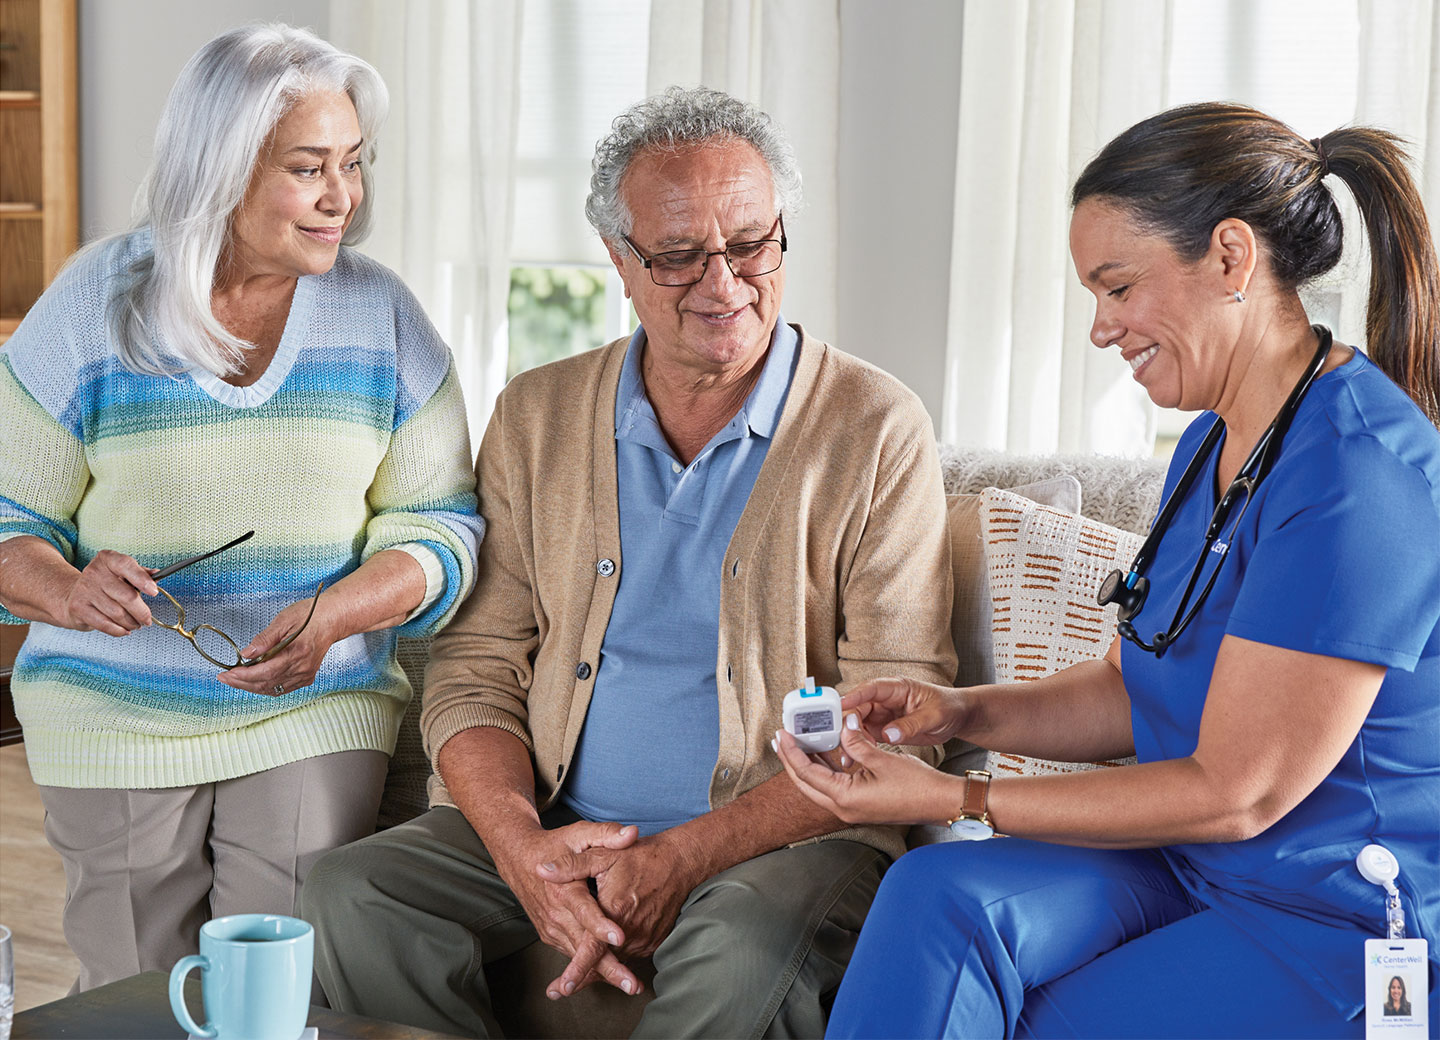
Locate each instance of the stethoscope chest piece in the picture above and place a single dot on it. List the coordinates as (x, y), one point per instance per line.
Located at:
(1128, 595)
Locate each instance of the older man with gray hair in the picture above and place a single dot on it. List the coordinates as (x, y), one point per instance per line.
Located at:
(684, 525)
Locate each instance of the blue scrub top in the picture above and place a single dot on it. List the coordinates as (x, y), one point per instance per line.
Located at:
(1338, 554)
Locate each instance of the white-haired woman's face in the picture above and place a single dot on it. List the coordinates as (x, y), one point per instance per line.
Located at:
(303, 193)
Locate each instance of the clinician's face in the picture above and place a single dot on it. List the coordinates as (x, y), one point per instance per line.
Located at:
(303, 193)
(704, 196)
(1397, 991)
(1164, 314)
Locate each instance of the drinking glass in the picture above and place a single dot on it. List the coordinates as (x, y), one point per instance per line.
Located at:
(7, 982)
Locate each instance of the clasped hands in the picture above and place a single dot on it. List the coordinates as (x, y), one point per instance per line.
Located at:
(640, 884)
(601, 894)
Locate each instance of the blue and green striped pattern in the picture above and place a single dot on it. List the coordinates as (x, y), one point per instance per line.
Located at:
(359, 446)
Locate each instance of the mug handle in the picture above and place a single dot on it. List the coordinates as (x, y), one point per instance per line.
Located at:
(183, 967)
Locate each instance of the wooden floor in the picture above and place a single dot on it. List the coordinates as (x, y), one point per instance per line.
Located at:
(32, 889)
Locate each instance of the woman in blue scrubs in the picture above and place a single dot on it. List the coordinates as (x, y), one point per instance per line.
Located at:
(1211, 889)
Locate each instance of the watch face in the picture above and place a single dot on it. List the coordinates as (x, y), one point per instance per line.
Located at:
(968, 828)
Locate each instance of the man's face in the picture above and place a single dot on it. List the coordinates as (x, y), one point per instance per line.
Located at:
(706, 196)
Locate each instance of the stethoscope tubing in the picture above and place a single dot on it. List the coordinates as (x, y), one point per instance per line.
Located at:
(1253, 470)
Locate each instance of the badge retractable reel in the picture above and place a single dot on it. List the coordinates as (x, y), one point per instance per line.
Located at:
(812, 716)
(1397, 969)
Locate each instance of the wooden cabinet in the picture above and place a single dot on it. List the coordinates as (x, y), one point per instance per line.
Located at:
(11, 636)
(39, 167)
(39, 189)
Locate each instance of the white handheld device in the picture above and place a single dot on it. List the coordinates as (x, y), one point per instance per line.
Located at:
(812, 716)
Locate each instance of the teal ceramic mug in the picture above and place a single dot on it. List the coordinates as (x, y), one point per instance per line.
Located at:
(254, 978)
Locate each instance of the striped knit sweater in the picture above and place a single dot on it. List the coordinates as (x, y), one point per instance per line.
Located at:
(353, 441)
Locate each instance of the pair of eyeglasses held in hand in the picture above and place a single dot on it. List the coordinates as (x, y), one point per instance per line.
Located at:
(208, 640)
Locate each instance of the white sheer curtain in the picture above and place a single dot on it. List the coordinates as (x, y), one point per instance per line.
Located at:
(1041, 90)
(445, 172)
(784, 56)
(1045, 83)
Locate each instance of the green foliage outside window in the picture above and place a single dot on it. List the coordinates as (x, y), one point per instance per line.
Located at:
(555, 312)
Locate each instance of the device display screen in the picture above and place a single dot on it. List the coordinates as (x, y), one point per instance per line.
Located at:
(813, 722)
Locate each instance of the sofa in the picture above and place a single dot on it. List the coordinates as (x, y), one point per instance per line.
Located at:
(1031, 536)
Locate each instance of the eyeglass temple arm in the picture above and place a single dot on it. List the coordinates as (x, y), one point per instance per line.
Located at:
(165, 572)
(247, 661)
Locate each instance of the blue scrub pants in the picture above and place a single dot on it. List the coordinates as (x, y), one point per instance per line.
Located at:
(1019, 938)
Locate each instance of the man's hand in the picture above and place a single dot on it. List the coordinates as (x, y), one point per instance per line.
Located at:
(643, 886)
(564, 911)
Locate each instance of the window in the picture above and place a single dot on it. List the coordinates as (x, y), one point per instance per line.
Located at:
(582, 62)
(558, 311)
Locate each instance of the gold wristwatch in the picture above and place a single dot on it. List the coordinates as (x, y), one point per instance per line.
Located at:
(972, 822)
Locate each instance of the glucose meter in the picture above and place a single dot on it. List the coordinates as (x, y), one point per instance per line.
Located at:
(812, 716)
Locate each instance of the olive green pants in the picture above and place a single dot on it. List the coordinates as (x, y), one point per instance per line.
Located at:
(407, 919)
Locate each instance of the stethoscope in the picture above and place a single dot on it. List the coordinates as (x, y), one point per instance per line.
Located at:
(1128, 591)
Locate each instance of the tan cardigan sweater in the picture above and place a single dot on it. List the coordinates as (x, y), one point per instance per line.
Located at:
(839, 566)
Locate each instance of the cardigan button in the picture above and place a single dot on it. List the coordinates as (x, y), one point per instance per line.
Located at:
(582, 670)
(605, 568)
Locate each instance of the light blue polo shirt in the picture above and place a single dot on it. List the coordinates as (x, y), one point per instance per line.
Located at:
(652, 734)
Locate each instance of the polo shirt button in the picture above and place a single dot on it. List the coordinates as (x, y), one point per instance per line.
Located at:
(582, 670)
(675, 467)
(605, 568)
(724, 774)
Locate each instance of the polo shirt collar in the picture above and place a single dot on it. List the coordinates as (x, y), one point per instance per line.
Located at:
(635, 418)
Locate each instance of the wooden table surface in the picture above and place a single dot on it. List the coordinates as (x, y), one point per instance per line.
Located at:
(138, 1008)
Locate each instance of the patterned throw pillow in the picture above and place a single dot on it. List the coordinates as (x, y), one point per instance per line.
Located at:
(1044, 566)
(970, 612)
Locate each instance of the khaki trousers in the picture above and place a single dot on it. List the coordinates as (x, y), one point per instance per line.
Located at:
(145, 869)
(407, 919)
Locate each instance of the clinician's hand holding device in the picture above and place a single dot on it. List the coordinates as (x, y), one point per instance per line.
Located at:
(812, 716)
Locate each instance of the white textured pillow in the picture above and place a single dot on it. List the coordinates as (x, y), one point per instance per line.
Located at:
(970, 614)
(1044, 566)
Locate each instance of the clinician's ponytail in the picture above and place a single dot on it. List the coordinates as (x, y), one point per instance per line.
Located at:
(1181, 172)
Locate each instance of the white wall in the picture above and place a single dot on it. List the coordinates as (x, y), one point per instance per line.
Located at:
(130, 54)
(896, 187)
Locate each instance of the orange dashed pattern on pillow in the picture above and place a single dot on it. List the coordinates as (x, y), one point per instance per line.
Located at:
(1044, 566)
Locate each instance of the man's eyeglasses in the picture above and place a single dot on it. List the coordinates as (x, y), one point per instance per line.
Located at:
(677, 267)
(211, 643)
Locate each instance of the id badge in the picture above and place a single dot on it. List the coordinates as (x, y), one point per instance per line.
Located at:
(1397, 999)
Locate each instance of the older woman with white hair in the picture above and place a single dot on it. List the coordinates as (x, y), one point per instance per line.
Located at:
(203, 730)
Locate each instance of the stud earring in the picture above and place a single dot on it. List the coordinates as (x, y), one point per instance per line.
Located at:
(1239, 296)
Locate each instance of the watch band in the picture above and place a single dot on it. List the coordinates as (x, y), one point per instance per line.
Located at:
(977, 795)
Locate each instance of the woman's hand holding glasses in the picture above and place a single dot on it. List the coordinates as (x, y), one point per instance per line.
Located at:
(110, 595)
(288, 653)
(106, 596)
